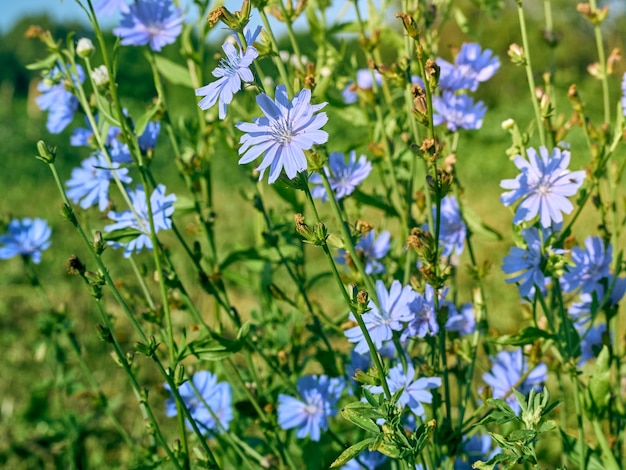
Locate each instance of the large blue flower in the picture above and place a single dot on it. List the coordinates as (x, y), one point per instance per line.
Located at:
(90, 182)
(591, 265)
(525, 264)
(508, 369)
(210, 394)
(310, 414)
(463, 322)
(343, 177)
(415, 392)
(154, 22)
(162, 210)
(380, 323)
(458, 112)
(57, 100)
(288, 128)
(542, 187)
(26, 237)
(423, 319)
(232, 71)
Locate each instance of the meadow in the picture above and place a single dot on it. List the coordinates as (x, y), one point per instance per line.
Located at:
(65, 402)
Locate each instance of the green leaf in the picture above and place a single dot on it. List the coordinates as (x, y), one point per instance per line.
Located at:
(360, 414)
(184, 205)
(374, 201)
(493, 462)
(527, 336)
(238, 255)
(146, 117)
(211, 348)
(571, 447)
(122, 235)
(106, 110)
(389, 449)
(461, 21)
(46, 63)
(478, 227)
(600, 385)
(351, 452)
(521, 435)
(288, 195)
(172, 72)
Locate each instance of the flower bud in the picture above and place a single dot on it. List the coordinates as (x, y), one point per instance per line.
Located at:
(409, 25)
(100, 76)
(84, 47)
(517, 54)
(46, 154)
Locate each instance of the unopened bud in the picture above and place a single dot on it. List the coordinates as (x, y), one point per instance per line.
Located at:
(409, 25)
(508, 124)
(100, 76)
(46, 154)
(84, 47)
(517, 55)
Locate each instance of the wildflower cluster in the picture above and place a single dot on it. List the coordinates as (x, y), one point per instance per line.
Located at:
(375, 331)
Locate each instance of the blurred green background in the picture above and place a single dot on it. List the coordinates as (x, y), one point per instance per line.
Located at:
(41, 427)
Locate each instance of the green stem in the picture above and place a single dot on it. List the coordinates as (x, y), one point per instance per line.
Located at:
(277, 61)
(608, 457)
(372, 348)
(529, 73)
(602, 61)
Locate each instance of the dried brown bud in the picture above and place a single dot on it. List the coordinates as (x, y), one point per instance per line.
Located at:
(362, 227)
(362, 297)
(614, 57)
(419, 99)
(75, 266)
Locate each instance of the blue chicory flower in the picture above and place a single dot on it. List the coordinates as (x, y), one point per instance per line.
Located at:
(452, 228)
(310, 415)
(458, 112)
(380, 323)
(370, 249)
(214, 401)
(581, 311)
(59, 102)
(591, 265)
(109, 7)
(414, 392)
(162, 210)
(363, 82)
(147, 141)
(525, 264)
(462, 322)
(288, 128)
(472, 65)
(343, 177)
(423, 315)
(82, 136)
(90, 182)
(150, 22)
(231, 72)
(591, 340)
(477, 447)
(27, 238)
(542, 187)
(366, 460)
(508, 369)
